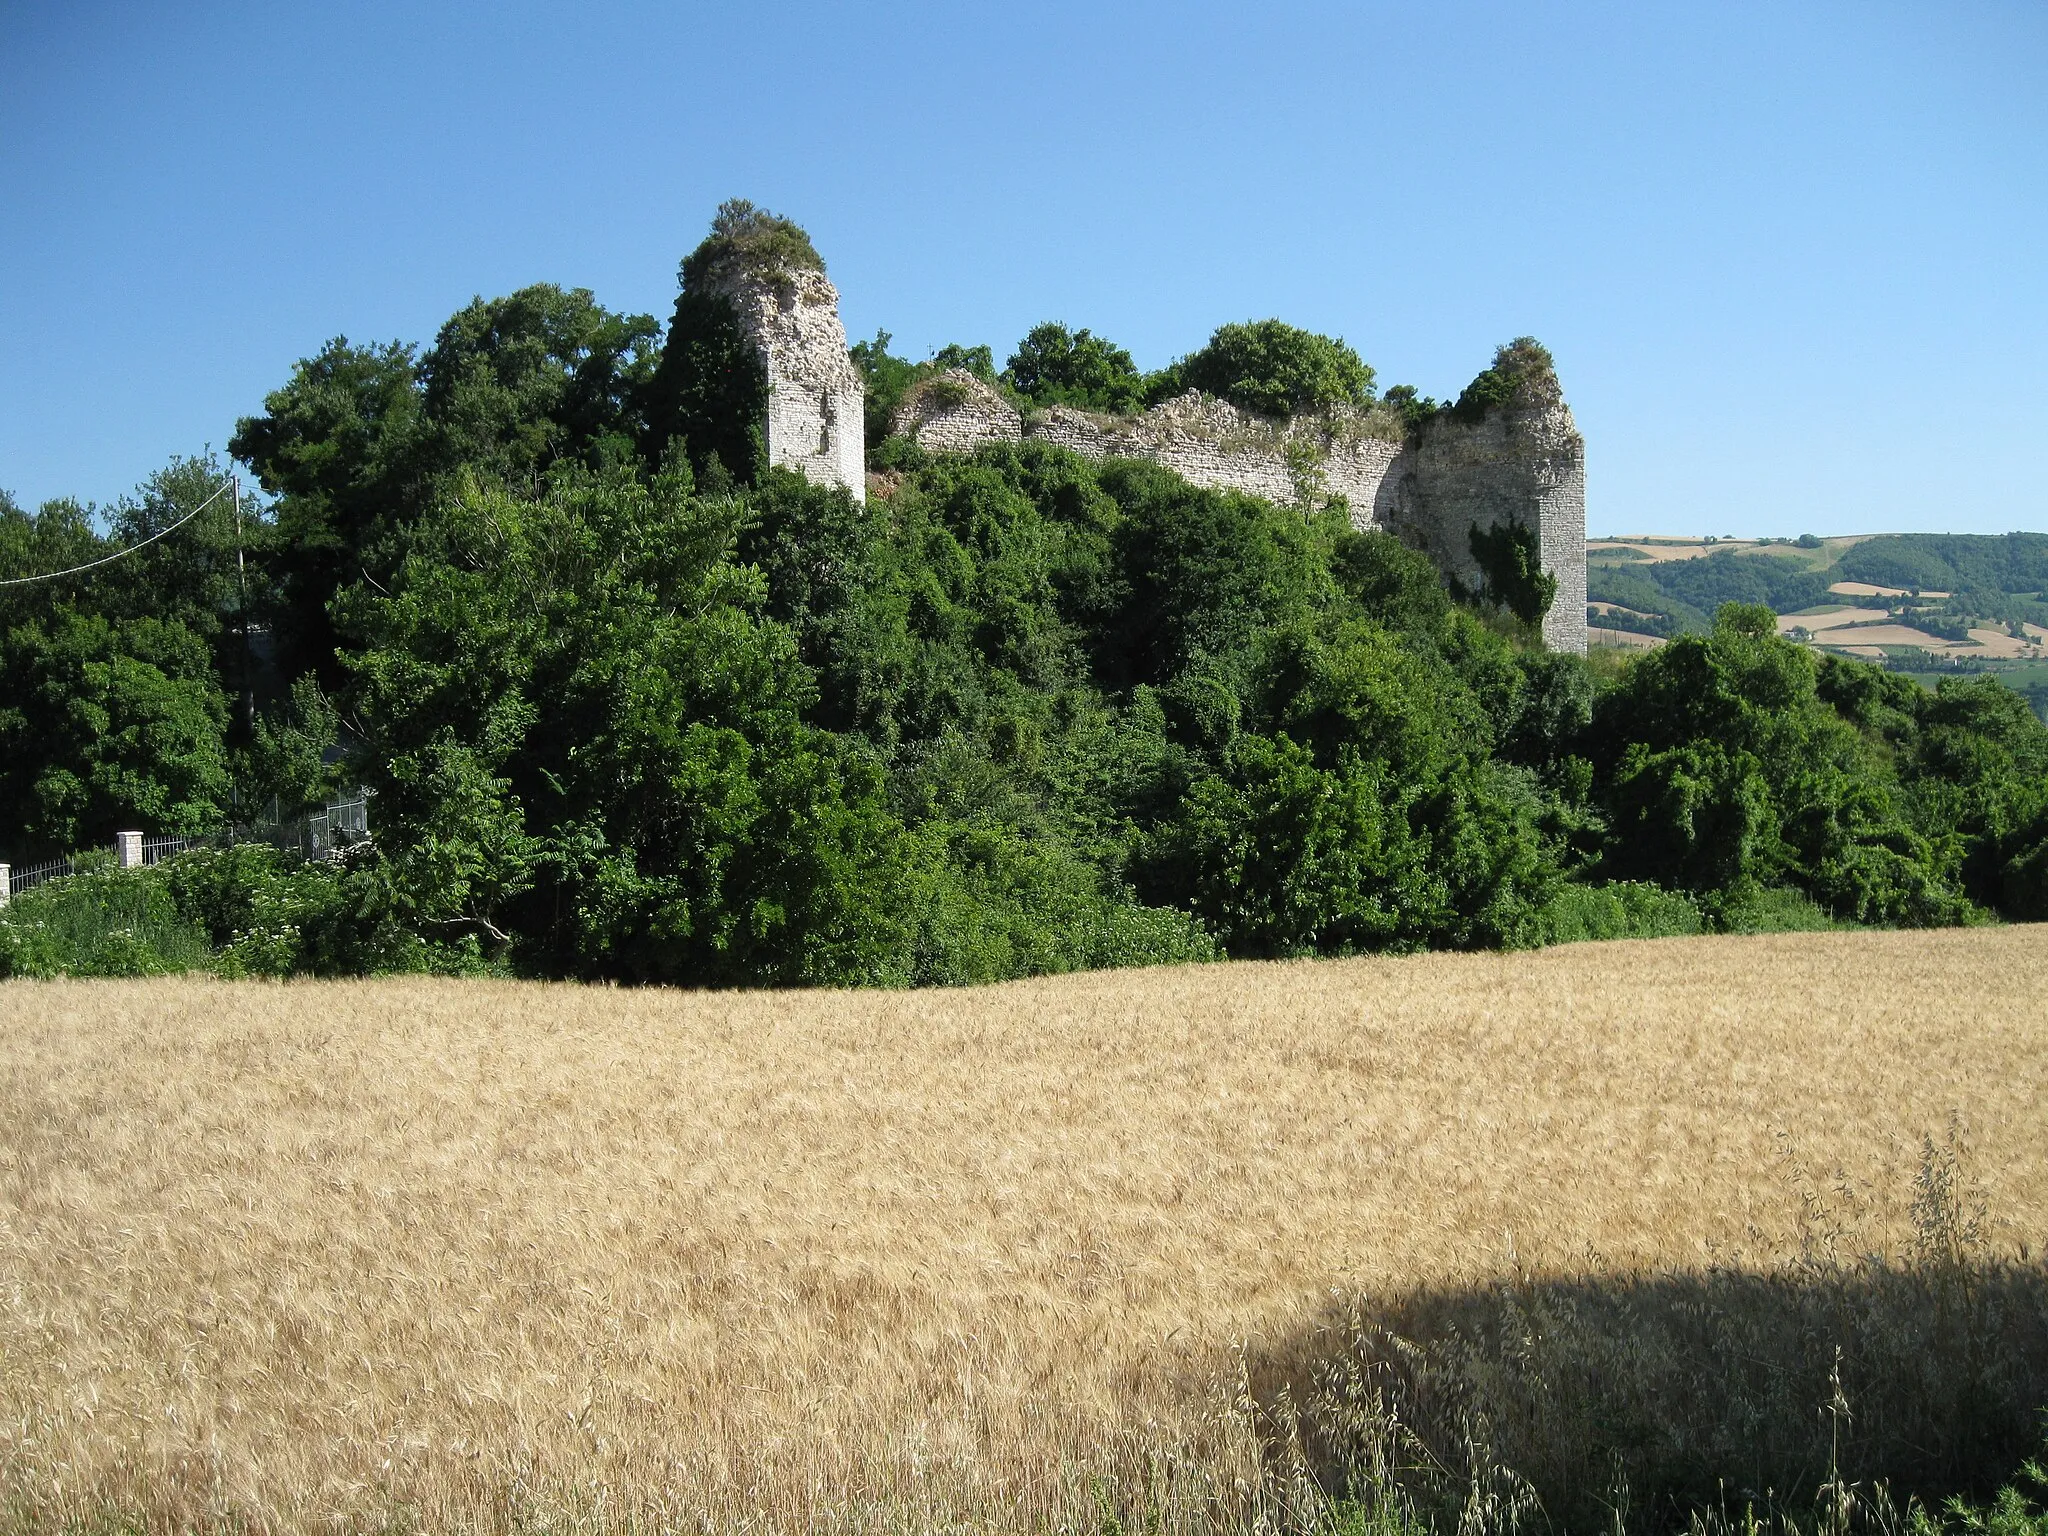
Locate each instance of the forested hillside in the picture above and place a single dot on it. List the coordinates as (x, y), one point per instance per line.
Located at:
(1980, 577)
(630, 708)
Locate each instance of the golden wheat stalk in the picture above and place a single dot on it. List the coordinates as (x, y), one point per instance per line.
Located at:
(479, 1255)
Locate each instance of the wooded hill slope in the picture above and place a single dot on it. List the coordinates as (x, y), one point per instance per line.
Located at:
(628, 710)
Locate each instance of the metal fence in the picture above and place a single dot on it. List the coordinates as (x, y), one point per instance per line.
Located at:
(29, 876)
(337, 827)
(325, 834)
(156, 848)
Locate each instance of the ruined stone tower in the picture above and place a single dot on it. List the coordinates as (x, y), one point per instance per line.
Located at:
(1521, 462)
(754, 372)
(757, 338)
(814, 422)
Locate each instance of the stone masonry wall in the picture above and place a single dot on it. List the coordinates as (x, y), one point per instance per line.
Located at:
(816, 400)
(956, 413)
(1212, 443)
(1525, 464)
(1208, 442)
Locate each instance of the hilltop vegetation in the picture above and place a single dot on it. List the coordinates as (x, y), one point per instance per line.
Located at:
(632, 706)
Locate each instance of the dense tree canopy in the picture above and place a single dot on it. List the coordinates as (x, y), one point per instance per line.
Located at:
(633, 705)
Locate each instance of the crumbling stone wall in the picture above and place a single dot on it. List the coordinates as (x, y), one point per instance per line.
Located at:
(1523, 463)
(1212, 443)
(955, 412)
(1208, 442)
(816, 401)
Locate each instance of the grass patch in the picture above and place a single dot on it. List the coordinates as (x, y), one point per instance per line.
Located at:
(1775, 911)
(1623, 909)
(101, 921)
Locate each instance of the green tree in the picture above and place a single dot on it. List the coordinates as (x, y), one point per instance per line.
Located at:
(1977, 770)
(1055, 366)
(1200, 572)
(514, 384)
(1416, 409)
(1365, 815)
(1723, 770)
(107, 726)
(887, 379)
(346, 448)
(1272, 368)
(210, 576)
(710, 394)
(57, 536)
(357, 444)
(582, 732)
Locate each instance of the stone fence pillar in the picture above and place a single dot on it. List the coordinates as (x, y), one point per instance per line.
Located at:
(128, 849)
(6, 883)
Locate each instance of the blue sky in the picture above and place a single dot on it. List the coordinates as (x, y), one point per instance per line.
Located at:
(1792, 259)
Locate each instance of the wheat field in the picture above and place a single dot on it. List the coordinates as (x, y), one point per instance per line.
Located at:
(462, 1255)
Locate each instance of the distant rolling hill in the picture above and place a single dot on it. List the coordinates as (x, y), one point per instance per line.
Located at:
(1922, 603)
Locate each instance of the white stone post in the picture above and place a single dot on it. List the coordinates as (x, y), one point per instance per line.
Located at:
(6, 883)
(128, 849)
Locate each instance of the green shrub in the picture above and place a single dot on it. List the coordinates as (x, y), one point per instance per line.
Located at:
(2020, 1508)
(1522, 375)
(268, 913)
(898, 454)
(1272, 368)
(753, 239)
(1056, 366)
(1416, 409)
(101, 921)
(1622, 909)
(977, 360)
(1771, 910)
(988, 904)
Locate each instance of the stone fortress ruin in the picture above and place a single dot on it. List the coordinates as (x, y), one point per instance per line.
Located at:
(815, 417)
(1519, 462)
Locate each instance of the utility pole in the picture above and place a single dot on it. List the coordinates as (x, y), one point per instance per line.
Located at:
(242, 586)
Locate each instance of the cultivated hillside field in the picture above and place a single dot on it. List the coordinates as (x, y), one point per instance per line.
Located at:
(456, 1255)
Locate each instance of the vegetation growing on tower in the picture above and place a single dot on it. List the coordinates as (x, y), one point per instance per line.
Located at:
(750, 239)
(1522, 374)
(707, 397)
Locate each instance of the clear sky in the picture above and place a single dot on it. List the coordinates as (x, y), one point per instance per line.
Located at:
(1792, 258)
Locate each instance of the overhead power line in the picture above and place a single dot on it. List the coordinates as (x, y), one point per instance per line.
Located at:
(122, 554)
